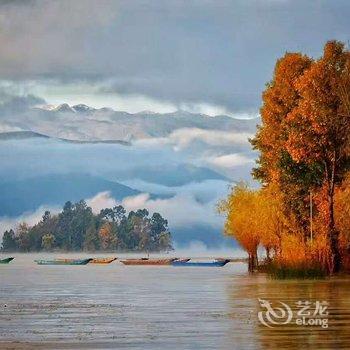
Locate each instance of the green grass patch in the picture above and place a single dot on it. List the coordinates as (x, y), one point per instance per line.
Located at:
(293, 272)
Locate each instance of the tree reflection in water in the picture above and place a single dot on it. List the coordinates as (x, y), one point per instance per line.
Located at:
(251, 333)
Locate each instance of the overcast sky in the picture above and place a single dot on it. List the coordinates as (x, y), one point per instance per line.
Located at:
(207, 56)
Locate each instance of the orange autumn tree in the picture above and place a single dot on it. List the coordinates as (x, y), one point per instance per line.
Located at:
(275, 165)
(304, 145)
(107, 236)
(319, 130)
(279, 99)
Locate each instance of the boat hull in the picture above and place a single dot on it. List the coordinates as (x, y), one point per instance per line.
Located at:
(200, 264)
(63, 262)
(102, 261)
(139, 262)
(6, 261)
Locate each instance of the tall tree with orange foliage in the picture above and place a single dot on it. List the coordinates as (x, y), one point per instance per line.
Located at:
(305, 134)
(319, 128)
(275, 164)
(279, 99)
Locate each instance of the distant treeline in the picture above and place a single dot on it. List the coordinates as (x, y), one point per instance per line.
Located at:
(77, 228)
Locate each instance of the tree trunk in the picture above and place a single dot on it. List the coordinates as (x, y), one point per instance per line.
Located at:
(252, 261)
(333, 236)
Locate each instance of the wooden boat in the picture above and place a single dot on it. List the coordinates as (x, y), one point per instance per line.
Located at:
(102, 260)
(63, 262)
(183, 260)
(6, 261)
(215, 263)
(147, 261)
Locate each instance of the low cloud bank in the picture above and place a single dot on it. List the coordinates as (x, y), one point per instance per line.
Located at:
(31, 218)
(181, 209)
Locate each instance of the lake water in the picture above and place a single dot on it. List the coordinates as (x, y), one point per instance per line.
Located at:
(134, 307)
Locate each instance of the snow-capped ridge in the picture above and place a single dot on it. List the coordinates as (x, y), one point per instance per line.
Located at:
(83, 108)
(64, 108)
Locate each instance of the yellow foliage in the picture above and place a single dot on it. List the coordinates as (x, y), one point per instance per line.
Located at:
(293, 251)
(342, 210)
(271, 217)
(319, 251)
(299, 254)
(242, 223)
(342, 220)
(257, 217)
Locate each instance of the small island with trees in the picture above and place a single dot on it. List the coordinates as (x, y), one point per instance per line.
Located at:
(77, 228)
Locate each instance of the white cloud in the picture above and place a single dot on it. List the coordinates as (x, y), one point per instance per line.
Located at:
(182, 138)
(185, 136)
(181, 210)
(8, 128)
(214, 110)
(92, 95)
(97, 95)
(230, 161)
(100, 201)
(204, 191)
(31, 218)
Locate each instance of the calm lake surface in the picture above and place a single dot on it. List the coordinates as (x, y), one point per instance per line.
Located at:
(134, 307)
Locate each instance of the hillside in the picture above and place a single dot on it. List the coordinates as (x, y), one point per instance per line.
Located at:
(29, 194)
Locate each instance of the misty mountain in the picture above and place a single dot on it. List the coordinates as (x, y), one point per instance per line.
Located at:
(185, 161)
(84, 123)
(24, 135)
(20, 135)
(173, 175)
(30, 154)
(25, 195)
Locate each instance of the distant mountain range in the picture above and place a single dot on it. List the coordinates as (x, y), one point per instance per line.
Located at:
(84, 123)
(23, 135)
(20, 135)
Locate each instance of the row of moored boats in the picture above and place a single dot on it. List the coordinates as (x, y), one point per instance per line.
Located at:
(136, 262)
